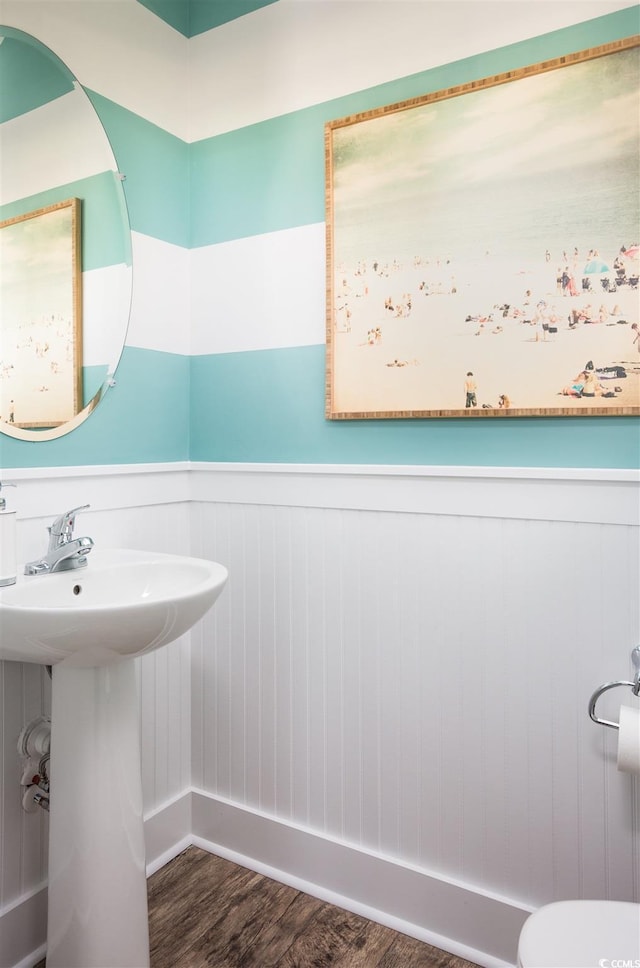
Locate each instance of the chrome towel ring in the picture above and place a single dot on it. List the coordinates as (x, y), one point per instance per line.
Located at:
(634, 686)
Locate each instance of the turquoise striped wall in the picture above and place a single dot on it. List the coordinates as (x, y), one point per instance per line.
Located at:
(27, 78)
(103, 241)
(156, 165)
(268, 405)
(192, 17)
(271, 175)
(144, 419)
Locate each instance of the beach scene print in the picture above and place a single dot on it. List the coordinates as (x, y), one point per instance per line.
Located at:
(483, 248)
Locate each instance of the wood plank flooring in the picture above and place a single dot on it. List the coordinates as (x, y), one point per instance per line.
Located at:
(205, 912)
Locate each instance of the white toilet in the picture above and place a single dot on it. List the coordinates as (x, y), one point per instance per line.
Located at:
(581, 934)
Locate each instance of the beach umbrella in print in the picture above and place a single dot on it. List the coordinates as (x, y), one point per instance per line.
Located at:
(633, 253)
(595, 267)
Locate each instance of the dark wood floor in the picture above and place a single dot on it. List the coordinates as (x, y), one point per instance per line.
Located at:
(205, 912)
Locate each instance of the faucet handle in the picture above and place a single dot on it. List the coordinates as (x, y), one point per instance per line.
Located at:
(63, 526)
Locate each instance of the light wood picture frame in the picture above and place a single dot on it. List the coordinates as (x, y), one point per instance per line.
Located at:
(482, 246)
(41, 322)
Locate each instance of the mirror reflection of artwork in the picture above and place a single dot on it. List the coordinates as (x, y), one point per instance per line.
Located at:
(40, 323)
(54, 147)
(482, 246)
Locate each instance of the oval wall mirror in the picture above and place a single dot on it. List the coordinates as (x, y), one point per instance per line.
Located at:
(65, 246)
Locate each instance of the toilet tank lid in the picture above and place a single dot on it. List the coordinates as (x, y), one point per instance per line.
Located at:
(576, 934)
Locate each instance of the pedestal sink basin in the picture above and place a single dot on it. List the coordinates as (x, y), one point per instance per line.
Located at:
(88, 624)
(123, 603)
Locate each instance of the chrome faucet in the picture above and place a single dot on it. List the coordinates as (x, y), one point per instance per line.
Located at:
(65, 552)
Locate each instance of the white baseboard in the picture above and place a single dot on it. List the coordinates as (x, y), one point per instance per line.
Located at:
(23, 930)
(167, 831)
(458, 918)
(33, 958)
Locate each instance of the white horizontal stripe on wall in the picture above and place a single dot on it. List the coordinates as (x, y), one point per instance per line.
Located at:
(106, 303)
(262, 292)
(288, 44)
(161, 300)
(27, 169)
(305, 52)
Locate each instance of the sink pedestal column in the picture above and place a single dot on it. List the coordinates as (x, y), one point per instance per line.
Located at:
(97, 876)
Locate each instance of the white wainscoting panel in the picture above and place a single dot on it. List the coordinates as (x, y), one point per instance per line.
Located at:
(397, 668)
(415, 683)
(25, 693)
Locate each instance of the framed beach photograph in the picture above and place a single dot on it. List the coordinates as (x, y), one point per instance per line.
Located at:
(482, 246)
(41, 316)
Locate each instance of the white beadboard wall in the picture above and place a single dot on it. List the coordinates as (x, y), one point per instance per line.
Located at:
(416, 683)
(399, 670)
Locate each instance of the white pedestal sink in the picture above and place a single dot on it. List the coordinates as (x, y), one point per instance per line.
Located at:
(89, 624)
